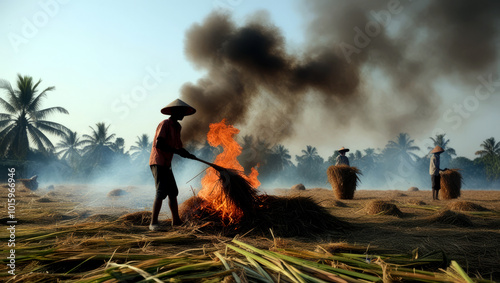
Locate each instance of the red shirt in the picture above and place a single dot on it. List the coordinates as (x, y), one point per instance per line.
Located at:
(170, 130)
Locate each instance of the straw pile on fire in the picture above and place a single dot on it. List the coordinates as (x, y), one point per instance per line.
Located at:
(285, 216)
(451, 183)
(229, 203)
(237, 190)
(344, 180)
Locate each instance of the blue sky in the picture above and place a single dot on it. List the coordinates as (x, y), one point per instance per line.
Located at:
(121, 61)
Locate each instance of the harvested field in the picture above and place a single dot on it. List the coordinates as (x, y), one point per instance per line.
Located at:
(81, 236)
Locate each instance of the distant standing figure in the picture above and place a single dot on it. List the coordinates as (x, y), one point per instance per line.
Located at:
(434, 171)
(342, 159)
(166, 143)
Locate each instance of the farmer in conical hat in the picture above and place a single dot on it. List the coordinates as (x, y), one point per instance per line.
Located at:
(434, 171)
(166, 143)
(342, 159)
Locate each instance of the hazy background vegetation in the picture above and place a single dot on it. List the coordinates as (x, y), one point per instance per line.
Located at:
(96, 155)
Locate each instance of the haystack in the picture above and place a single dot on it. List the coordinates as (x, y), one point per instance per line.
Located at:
(116, 193)
(137, 218)
(298, 187)
(344, 180)
(413, 189)
(383, 208)
(452, 218)
(451, 183)
(461, 205)
(30, 184)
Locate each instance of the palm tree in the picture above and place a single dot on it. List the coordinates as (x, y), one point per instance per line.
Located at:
(490, 148)
(448, 153)
(333, 158)
(119, 146)
(142, 148)
(443, 143)
(309, 164)
(402, 147)
(98, 145)
(358, 155)
(310, 157)
(69, 148)
(282, 156)
(262, 147)
(370, 152)
(367, 162)
(25, 121)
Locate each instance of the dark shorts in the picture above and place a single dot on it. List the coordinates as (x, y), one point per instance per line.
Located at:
(436, 182)
(164, 181)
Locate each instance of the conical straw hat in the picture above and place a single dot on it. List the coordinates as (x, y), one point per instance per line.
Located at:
(178, 104)
(437, 149)
(343, 149)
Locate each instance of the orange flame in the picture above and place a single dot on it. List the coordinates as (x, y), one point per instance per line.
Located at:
(223, 135)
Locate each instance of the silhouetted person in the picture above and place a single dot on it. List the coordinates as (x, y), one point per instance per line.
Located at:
(166, 143)
(342, 159)
(434, 171)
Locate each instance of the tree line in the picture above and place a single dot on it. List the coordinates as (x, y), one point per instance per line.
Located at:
(24, 143)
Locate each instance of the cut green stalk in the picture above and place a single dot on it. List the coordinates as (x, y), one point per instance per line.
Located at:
(309, 263)
(226, 265)
(265, 262)
(260, 270)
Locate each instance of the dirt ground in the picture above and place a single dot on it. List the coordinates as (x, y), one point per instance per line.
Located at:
(472, 237)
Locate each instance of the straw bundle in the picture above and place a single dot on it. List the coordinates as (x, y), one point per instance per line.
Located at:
(344, 180)
(382, 207)
(465, 206)
(451, 183)
(451, 217)
(237, 190)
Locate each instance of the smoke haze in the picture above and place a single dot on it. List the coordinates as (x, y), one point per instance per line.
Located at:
(371, 65)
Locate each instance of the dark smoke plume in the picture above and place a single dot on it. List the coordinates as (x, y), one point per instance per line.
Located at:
(257, 84)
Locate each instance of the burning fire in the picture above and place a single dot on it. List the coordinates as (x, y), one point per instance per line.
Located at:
(211, 192)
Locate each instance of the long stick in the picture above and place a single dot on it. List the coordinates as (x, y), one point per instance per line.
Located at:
(216, 167)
